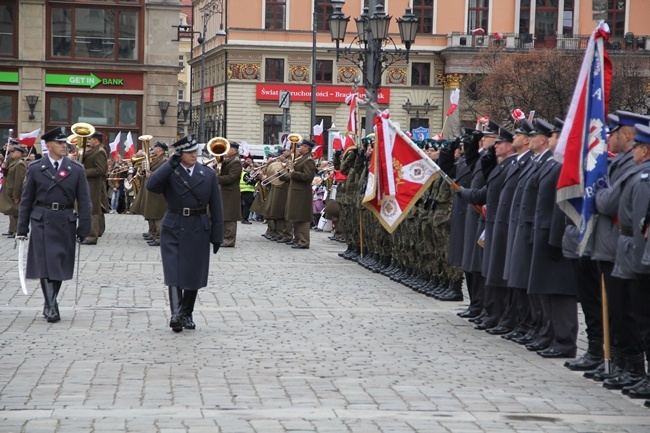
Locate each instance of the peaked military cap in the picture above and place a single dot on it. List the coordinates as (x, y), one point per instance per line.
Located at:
(627, 118)
(491, 128)
(525, 128)
(56, 134)
(542, 127)
(505, 136)
(185, 144)
(642, 134)
(612, 122)
(162, 145)
(559, 124)
(308, 142)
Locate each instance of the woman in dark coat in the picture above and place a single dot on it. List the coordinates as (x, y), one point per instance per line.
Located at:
(193, 221)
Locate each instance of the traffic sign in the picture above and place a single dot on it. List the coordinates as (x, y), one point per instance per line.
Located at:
(285, 99)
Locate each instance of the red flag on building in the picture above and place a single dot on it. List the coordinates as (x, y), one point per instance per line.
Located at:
(129, 149)
(115, 146)
(29, 138)
(317, 151)
(398, 175)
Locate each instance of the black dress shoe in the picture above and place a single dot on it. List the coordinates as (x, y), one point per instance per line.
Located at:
(647, 403)
(554, 353)
(226, 246)
(87, 242)
(246, 222)
(499, 330)
(535, 347)
(7, 234)
(300, 247)
(481, 326)
(12, 236)
(468, 314)
(640, 390)
(144, 235)
(621, 381)
(154, 244)
(512, 335)
(147, 238)
(586, 362)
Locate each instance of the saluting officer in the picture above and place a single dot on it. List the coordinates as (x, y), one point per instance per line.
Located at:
(52, 186)
(193, 221)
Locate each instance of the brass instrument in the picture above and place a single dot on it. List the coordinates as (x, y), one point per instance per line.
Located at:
(146, 142)
(294, 139)
(218, 147)
(81, 132)
(285, 170)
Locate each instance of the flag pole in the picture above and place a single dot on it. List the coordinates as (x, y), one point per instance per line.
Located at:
(360, 233)
(606, 341)
(442, 130)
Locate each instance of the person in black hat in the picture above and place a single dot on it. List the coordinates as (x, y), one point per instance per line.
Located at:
(299, 203)
(193, 220)
(47, 212)
(12, 187)
(154, 206)
(95, 162)
(229, 177)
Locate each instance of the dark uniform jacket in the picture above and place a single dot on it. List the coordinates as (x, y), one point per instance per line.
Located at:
(95, 162)
(278, 193)
(299, 203)
(474, 224)
(548, 276)
(499, 242)
(153, 206)
(52, 232)
(229, 183)
(12, 186)
(185, 240)
(459, 210)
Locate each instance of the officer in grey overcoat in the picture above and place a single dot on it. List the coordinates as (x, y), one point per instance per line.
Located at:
(47, 212)
(193, 221)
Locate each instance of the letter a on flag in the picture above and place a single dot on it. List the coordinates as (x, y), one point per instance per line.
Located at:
(398, 175)
(582, 144)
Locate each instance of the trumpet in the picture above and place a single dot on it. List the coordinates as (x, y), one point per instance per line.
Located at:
(146, 142)
(285, 170)
(80, 133)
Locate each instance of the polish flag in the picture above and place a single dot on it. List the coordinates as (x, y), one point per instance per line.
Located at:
(453, 99)
(517, 114)
(115, 146)
(317, 152)
(129, 149)
(351, 100)
(349, 142)
(29, 138)
(337, 143)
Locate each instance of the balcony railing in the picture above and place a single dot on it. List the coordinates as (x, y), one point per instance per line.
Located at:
(518, 41)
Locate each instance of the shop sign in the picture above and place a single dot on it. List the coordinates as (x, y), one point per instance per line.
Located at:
(302, 93)
(104, 80)
(8, 77)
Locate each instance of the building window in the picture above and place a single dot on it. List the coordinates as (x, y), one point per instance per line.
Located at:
(477, 14)
(323, 10)
(324, 71)
(616, 16)
(524, 17)
(420, 74)
(423, 9)
(8, 108)
(274, 70)
(275, 14)
(108, 113)
(8, 28)
(546, 13)
(567, 18)
(181, 63)
(98, 33)
(272, 128)
(181, 94)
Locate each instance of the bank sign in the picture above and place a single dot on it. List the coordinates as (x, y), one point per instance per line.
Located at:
(90, 80)
(302, 93)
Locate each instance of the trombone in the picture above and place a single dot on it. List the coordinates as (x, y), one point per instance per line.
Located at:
(146, 142)
(294, 139)
(285, 170)
(80, 133)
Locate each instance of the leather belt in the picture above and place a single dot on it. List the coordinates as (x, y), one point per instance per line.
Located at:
(626, 232)
(186, 211)
(54, 205)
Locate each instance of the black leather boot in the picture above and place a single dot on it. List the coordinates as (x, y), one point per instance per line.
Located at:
(175, 297)
(617, 365)
(187, 308)
(52, 290)
(344, 253)
(633, 373)
(454, 292)
(590, 360)
(46, 299)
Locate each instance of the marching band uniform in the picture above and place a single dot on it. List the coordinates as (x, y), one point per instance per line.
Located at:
(95, 162)
(154, 205)
(12, 187)
(51, 190)
(281, 230)
(193, 221)
(299, 202)
(229, 177)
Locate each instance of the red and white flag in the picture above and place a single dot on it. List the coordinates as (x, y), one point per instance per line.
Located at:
(349, 142)
(517, 114)
(129, 149)
(337, 143)
(115, 146)
(29, 138)
(351, 100)
(399, 174)
(453, 101)
(317, 151)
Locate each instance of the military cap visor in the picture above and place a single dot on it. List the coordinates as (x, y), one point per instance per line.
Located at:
(162, 145)
(186, 144)
(18, 149)
(542, 127)
(56, 134)
(642, 134)
(306, 142)
(627, 118)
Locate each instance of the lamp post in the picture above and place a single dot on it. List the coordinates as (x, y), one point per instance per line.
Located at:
(372, 37)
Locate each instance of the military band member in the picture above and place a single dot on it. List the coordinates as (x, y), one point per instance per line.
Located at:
(299, 202)
(53, 186)
(12, 187)
(95, 162)
(229, 177)
(154, 206)
(280, 230)
(193, 221)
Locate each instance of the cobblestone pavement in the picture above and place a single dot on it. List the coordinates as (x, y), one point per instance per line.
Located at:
(286, 341)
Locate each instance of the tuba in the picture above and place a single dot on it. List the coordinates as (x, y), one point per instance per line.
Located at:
(218, 147)
(294, 139)
(146, 142)
(80, 133)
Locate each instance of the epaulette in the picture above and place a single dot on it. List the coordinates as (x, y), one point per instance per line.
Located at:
(74, 161)
(34, 162)
(645, 175)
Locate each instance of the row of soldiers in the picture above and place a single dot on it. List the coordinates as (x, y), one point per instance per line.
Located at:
(501, 230)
